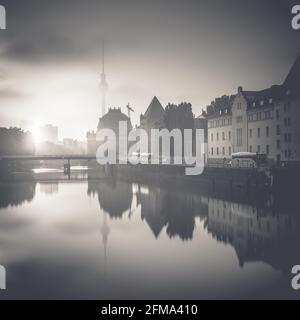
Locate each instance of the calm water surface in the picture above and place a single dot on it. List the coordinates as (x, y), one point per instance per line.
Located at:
(105, 239)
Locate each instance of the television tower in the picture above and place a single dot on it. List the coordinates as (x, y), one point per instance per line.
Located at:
(103, 84)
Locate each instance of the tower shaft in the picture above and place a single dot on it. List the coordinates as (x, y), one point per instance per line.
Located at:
(103, 84)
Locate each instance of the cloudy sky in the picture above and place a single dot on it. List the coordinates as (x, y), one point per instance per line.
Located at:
(188, 50)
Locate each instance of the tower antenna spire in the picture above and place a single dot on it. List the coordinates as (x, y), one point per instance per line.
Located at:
(103, 84)
(103, 58)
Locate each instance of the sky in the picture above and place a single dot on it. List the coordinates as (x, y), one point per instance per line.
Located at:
(188, 50)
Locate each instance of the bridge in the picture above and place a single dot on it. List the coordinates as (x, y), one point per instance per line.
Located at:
(68, 158)
(47, 157)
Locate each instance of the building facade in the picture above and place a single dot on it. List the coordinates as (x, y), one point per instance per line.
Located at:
(153, 118)
(264, 122)
(110, 120)
(49, 133)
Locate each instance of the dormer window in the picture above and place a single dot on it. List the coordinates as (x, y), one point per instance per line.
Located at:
(254, 104)
(262, 102)
(270, 100)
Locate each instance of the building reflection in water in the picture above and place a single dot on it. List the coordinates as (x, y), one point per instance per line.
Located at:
(257, 231)
(173, 209)
(256, 234)
(246, 227)
(48, 188)
(115, 198)
(16, 193)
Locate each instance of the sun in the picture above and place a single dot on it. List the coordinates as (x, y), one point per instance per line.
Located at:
(36, 135)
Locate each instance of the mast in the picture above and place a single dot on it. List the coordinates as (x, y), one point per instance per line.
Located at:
(103, 83)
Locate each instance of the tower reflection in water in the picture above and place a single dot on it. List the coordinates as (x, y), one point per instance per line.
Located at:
(119, 228)
(254, 225)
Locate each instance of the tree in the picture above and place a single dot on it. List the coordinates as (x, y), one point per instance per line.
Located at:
(14, 141)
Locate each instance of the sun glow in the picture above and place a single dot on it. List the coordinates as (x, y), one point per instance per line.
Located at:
(36, 135)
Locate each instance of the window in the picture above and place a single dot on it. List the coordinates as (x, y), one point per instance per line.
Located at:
(278, 130)
(250, 133)
(223, 136)
(278, 144)
(268, 149)
(267, 131)
(212, 151)
(239, 137)
(258, 148)
(258, 132)
(250, 148)
(223, 151)
(217, 136)
(277, 114)
(229, 151)
(229, 135)
(267, 115)
(212, 137)
(217, 150)
(278, 158)
(239, 106)
(239, 119)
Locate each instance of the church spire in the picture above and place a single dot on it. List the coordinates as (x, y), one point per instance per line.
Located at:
(103, 84)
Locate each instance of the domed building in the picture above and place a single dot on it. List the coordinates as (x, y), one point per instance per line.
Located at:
(111, 120)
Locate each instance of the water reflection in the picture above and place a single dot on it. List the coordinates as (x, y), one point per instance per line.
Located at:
(176, 210)
(49, 188)
(257, 232)
(14, 194)
(256, 235)
(115, 197)
(145, 240)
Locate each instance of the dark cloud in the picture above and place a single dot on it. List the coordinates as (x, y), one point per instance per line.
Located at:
(57, 30)
(193, 50)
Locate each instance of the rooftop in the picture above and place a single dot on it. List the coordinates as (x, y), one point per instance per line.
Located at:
(262, 98)
(155, 109)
